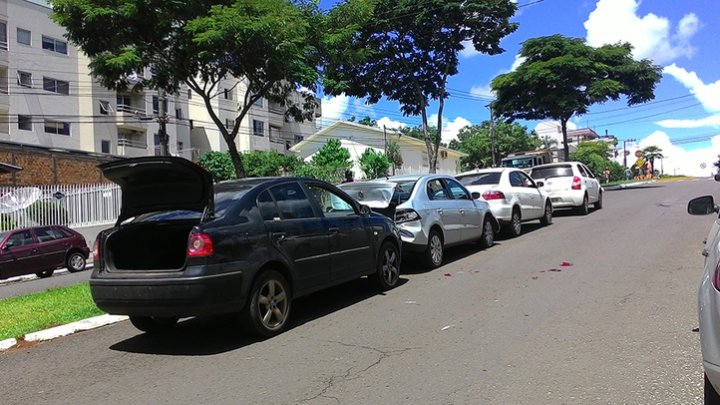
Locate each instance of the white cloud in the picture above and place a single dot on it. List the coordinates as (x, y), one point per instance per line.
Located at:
(678, 160)
(333, 109)
(482, 92)
(450, 128)
(707, 94)
(390, 124)
(711, 121)
(468, 50)
(615, 21)
(519, 60)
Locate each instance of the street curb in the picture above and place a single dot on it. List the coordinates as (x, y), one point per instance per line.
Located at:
(64, 330)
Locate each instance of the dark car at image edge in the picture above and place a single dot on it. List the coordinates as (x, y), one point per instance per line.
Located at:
(183, 246)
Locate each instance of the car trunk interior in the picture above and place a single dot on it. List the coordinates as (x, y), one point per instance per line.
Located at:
(149, 246)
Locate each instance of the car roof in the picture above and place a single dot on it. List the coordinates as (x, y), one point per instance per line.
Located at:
(556, 164)
(488, 170)
(412, 177)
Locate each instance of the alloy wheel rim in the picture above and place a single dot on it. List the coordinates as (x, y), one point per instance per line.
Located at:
(390, 268)
(488, 234)
(436, 249)
(76, 262)
(516, 223)
(272, 304)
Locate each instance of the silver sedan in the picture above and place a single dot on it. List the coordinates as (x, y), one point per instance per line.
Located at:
(432, 211)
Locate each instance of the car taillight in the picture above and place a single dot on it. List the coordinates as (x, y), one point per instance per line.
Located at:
(199, 245)
(96, 249)
(493, 195)
(577, 183)
(406, 215)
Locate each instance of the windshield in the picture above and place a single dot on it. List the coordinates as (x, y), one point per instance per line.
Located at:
(517, 162)
(479, 179)
(552, 171)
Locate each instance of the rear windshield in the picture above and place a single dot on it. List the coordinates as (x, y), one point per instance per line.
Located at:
(480, 179)
(552, 171)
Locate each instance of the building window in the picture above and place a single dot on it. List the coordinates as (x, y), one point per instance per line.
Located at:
(57, 128)
(105, 146)
(258, 102)
(56, 86)
(55, 45)
(105, 107)
(189, 94)
(229, 124)
(227, 94)
(24, 79)
(178, 113)
(180, 147)
(25, 122)
(156, 105)
(3, 35)
(24, 37)
(298, 138)
(192, 124)
(258, 128)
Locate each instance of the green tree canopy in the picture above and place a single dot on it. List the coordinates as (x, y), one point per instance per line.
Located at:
(392, 151)
(563, 76)
(374, 164)
(597, 156)
(651, 153)
(329, 163)
(406, 50)
(218, 164)
(477, 143)
(268, 44)
(268, 163)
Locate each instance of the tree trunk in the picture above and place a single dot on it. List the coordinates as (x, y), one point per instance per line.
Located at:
(566, 148)
(236, 159)
(428, 143)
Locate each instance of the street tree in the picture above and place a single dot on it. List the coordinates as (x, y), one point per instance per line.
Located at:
(406, 50)
(374, 164)
(268, 44)
(260, 163)
(218, 164)
(392, 151)
(651, 153)
(597, 156)
(329, 163)
(476, 141)
(563, 76)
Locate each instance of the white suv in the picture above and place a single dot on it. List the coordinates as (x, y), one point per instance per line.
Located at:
(569, 184)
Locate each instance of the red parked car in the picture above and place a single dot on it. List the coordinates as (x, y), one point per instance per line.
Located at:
(41, 250)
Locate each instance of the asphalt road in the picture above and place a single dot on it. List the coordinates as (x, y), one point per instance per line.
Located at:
(496, 326)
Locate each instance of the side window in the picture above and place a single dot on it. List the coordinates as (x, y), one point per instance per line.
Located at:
(589, 173)
(292, 201)
(62, 233)
(19, 239)
(267, 206)
(582, 171)
(526, 180)
(331, 204)
(436, 191)
(458, 192)
(45, 234)
(515, 179)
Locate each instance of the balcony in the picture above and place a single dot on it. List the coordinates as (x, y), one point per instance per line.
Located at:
(132, 144)
(131, 117)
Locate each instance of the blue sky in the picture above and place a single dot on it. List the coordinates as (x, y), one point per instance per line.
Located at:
(681, 36)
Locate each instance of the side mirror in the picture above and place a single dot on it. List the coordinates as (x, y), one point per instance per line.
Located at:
(475, 195)
(7, 246)
(364, 209)
(540, 184)
(702, 206)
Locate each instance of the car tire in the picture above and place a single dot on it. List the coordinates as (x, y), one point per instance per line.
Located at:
(599, 202)
(45, 273)
(266, 313)
(75, 262)
(387, 274)
(514, 228)
(153, 324)
(546, 219)
(711, 396)
(488, 236)
(434, 251)
(584, 208)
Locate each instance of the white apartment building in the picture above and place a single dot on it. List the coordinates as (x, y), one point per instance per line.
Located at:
(48, 98)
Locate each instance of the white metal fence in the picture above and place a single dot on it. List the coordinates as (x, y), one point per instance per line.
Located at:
(71, 205)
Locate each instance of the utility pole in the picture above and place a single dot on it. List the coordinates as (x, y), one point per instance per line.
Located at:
(384, 140)
(492, 135)
(162, 120)
(625, 151)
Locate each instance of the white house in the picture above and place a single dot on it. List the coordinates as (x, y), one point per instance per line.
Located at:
(357, 138)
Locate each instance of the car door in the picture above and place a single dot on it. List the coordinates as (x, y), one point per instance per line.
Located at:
(298, 232)
(591, 184)
(20, 255)
(51, 246)
(470, 216)
(441, 202)
(351, 254)
(530, 197)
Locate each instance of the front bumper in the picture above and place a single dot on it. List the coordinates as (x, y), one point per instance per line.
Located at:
(169, 297)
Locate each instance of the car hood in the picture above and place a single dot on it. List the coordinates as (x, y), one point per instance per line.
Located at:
(160, 183)
(374, 194)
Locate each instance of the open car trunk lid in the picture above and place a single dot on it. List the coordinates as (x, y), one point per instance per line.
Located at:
(160, 183)
(374, 194)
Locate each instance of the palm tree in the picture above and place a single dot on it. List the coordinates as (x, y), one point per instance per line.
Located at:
(651, 153)
(392, 151)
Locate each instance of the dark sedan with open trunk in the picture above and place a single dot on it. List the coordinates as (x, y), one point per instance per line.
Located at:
(183, 246)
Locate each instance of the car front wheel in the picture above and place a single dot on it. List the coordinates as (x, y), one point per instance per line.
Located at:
(75, 262)
(387, 274)
(45, 273)
(267, 312)
(152, 324)
(434, 250)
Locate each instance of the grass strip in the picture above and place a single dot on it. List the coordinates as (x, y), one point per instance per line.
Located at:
(34, 312)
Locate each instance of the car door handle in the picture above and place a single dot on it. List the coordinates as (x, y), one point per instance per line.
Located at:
(333, 229)
(440, 211)
(462, 212)
(279, 236)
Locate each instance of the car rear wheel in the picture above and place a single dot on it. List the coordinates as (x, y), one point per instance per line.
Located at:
(515, 226)
(153, 324)
(75, 262)
(488, 236)
(434, 251)
(711, 396)
(584, 208)
(387, 275)
(45, 273)
(599, 202)
(267, 312)
(546, 219)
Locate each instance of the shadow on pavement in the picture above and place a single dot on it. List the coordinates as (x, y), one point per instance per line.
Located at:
(203, 336)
